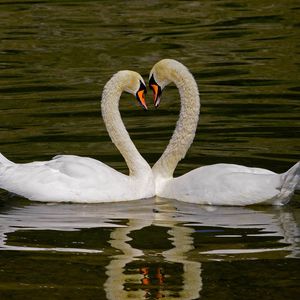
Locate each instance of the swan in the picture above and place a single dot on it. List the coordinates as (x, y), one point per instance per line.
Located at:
(219, 184)
(70, 178)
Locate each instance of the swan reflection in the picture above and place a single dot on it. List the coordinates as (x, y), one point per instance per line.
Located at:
(153, 248)
(151, 278)
(114, 285)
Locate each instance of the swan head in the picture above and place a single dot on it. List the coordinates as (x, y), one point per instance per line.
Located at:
(161, 75)
(134, 84)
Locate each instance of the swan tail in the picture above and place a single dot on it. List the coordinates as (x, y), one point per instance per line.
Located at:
(292, 177)
(290, 183)
(4, 160)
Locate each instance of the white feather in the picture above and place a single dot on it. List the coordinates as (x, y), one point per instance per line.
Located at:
(81, 179)
(220, 184)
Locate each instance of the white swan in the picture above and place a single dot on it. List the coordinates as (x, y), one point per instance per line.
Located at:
(82, 179)
(219, 184)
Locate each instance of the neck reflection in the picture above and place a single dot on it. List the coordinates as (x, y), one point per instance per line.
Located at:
(137, 274)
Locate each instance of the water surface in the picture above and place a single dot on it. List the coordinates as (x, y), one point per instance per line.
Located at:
(55, 57)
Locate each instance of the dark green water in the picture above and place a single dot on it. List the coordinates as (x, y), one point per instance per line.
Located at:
(55, 57)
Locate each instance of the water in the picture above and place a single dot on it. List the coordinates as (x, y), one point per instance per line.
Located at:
(55, 57)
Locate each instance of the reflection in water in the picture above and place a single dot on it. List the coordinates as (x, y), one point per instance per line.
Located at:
(183, 243)
(155, 247)
(114, 286)
(152, 280)
(55, 58)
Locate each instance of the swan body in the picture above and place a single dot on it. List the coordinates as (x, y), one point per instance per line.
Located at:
(219, 184)
(70, 178)
(229, 184)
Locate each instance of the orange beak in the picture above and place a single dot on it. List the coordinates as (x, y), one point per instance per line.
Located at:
(154, 88)
(141, 98)
(156, 91)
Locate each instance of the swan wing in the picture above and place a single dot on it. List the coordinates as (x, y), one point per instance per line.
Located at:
(64, 178)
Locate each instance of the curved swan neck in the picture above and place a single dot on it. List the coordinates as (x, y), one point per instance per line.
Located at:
(186, 125)
(115, 127)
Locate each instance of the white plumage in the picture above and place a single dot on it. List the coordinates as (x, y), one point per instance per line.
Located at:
(82, 179)
(219, 184)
